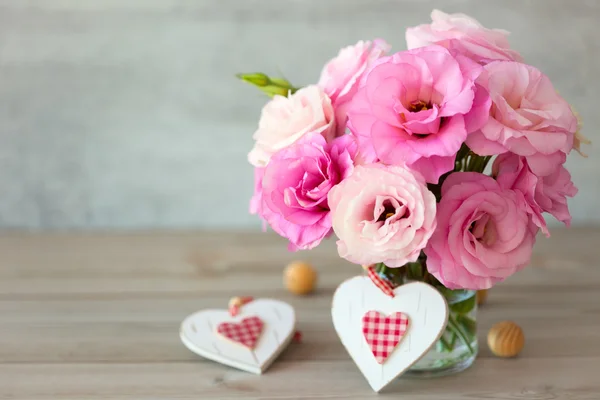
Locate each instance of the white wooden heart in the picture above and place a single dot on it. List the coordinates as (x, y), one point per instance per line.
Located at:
(198, 333)
(424, 305)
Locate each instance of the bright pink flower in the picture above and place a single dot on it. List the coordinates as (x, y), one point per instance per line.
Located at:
(341, 76)
(463, 35)
(543, 194)
(484, 234)
(416, 108)
(382, 214)
(293, 190)
(527, 117)
(284, 120)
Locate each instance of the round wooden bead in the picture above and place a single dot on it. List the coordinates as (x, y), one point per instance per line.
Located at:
(235, 302)
(300, 277)
(482, 296)
(506, 339)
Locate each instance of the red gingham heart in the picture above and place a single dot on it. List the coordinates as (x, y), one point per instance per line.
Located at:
(383, 333)
(245, 333)
(383, 284)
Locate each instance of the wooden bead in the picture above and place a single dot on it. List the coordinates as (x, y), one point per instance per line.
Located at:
(482, 296)
(239, 301)
(235, 302)
(300, 277)
(506, 339)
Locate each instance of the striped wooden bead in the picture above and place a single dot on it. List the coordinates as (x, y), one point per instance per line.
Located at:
(506, 339)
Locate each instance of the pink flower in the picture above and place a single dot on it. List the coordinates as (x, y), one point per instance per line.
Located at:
(512, 172)
(293, 190)
(382, 214)
(256, 200)
(341, 75)
(464, 35)
(527, 117)
(484, 235)
(551, 194)
(543, 194)
(284, 120)
(416, 108)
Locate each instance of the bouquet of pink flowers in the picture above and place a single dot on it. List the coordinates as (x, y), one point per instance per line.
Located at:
(443, 158)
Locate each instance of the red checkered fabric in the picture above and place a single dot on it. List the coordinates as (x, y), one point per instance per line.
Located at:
(383, 333)
(246, 332)
(383, 284)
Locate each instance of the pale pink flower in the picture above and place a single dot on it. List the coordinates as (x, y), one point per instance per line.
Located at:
(527, 117)
(382, 214)
(543, 194)
(341, 76)
(292, 191)
(284, 120)
(484, 234)
(463, 35)
(417, 108)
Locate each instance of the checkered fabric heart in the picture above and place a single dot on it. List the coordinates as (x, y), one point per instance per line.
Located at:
(246, 332)
(383, 333)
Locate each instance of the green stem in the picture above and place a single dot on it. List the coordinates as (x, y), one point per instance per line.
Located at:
(486, 160)
(445, 344)
(453, 324)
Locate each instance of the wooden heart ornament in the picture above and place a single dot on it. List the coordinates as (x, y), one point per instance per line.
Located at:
(386, 335)
(249, 341)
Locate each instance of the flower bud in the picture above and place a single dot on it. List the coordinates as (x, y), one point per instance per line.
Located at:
(269, 86)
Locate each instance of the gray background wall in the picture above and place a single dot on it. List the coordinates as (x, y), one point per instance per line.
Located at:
(126, 114)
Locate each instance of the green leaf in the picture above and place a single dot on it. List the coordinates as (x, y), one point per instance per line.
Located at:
(415, 270)
(465, 306)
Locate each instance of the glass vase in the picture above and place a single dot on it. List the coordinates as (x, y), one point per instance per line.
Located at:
(457, 348)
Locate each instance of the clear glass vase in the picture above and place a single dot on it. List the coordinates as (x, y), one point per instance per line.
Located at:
(457, 348)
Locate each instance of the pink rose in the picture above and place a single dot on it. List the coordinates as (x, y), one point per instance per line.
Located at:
(382, 214)
(484, 235)
(527, 117)
(284, 120)
(416, 108)
(464, 35)
(295, 184)
(341, 75)
(543, 194)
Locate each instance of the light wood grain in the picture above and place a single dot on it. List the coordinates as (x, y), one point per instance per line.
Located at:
(97, 316)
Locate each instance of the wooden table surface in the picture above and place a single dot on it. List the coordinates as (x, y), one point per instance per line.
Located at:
(97, 316)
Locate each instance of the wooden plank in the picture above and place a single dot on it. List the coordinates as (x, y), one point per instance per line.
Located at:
(97, 316)
(570, 378)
